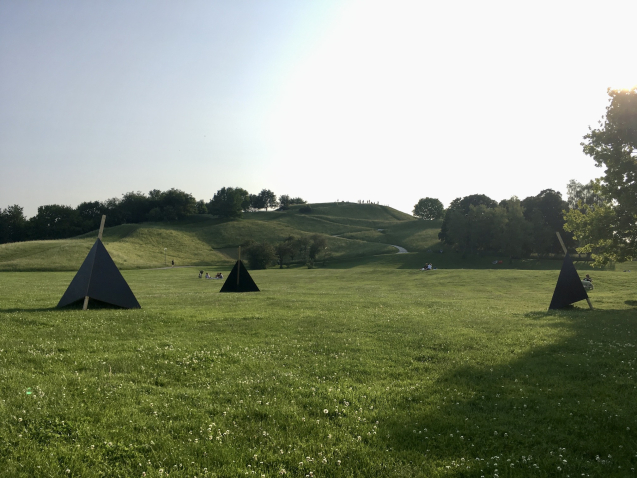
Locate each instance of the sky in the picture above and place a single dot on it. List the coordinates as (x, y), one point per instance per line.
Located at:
(386, 101)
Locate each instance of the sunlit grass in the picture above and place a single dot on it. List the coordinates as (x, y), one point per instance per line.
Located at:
(361, 372)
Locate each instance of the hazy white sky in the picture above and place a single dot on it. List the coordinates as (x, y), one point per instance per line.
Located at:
(388, 101)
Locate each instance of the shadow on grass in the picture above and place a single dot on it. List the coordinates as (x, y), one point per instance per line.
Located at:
(92, 305)
(567, 405)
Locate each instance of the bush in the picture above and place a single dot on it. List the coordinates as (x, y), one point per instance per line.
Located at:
(305, 210)
(260, 255)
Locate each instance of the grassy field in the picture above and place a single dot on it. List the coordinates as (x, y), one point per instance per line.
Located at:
(361, 370)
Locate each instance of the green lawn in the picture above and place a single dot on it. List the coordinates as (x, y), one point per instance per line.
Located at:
(367, 370)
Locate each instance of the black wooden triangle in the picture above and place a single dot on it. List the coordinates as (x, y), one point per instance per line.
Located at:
(569, 288)
(99, 278)
(246, 283)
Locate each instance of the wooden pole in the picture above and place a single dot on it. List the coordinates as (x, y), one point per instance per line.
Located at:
(99, 236)
(238, 266)
(561, 242)
(566, 252)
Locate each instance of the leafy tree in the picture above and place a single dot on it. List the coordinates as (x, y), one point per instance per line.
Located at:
(284, 250)
(580, 194)
(12, 224)
(229, 202)
(462, 206)
(256, 202)
(318, 246)
(55, 222)
(609, 230)
(428, 208)
(201, 207)
(134, 206)
(284, 201)
(177, 204)
(90, 215)
(297, 200)
(513, 232)
(267, 199)
(548, 205)
(260, 255)
(302, 245)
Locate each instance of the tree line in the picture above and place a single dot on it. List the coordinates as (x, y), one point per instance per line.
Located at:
(512, 227)
(306, 249)
(477, 224)
(598, 218)
(58, 221)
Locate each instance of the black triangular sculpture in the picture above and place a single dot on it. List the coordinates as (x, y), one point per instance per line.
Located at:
(569, 287)
(100, 279)
(245, 283)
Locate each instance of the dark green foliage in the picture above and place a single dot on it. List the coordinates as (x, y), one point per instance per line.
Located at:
(229, 202)
(609, 230)
(546, 212)
(428, 209)
(57, 222)
(285, 201)
(12, 224)
(285, 250)
(54, 222)
(305, 209)
(201, 207)
(260, 255)
(461, 206)
(582, 194)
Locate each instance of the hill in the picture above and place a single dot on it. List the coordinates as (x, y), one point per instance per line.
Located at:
(354, 232)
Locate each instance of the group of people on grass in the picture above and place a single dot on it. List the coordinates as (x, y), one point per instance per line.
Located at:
(428, 267)
(208, 276)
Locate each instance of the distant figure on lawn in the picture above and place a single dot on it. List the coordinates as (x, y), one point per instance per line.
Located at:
(208, 276)
(173, 263)
(200, 274)
(587, 282)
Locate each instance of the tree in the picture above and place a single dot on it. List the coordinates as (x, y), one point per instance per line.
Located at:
(428, 208)
(462, 206)
(513, 235)
(268, 199)
(609, 230)
(318, 245)
(55, 222)
(580, 194)
(260, 255)
(285, 201)
(229, 202)
(549, 206)
(12, 224)
(285, 249)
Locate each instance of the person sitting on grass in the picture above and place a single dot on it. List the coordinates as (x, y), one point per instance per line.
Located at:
(200, 274)
(208, 276)
(219, 275)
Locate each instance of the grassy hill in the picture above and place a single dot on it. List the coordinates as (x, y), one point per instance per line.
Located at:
(354, 232)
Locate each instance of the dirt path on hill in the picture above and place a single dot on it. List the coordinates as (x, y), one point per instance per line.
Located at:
(401, 250)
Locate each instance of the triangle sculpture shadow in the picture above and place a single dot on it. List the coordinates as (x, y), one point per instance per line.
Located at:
(100, 279)
(569, 287)
(246, 283)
